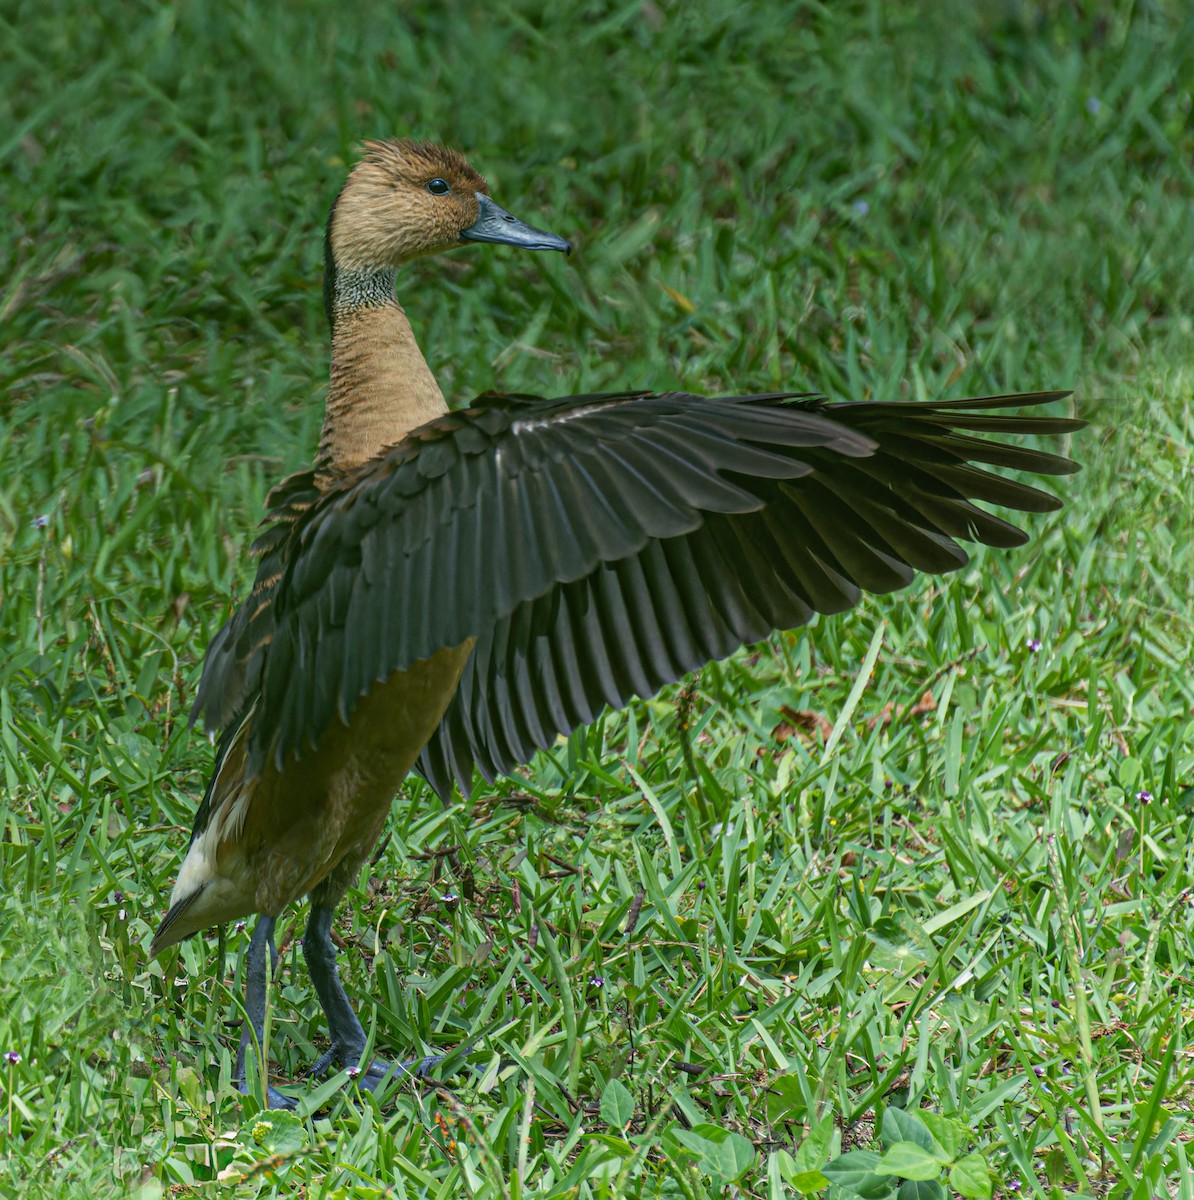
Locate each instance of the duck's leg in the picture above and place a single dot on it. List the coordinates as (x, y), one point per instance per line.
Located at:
(348, 1037)
(253, 1035)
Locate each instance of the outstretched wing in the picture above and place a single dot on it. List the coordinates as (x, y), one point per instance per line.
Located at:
(817, 539)
(598, 547)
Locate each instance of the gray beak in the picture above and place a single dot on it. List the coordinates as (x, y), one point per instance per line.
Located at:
(495, 224)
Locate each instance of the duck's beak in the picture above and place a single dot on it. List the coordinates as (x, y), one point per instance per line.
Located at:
(495, 224)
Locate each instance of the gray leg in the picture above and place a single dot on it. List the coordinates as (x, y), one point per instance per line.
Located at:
(348, 1038)
(253, 1034)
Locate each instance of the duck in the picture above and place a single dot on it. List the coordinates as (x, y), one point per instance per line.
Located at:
(449, 591)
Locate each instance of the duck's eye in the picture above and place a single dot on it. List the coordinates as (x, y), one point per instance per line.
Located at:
(438, 187)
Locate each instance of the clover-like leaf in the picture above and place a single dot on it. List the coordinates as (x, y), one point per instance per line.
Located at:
(721, 1154)
(909, 1161)
(971, 1177)
(617, 1104)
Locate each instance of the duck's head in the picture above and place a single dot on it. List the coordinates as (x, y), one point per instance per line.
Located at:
(405, 199)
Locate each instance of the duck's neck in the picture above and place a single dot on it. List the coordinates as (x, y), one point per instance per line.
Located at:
(381, 387)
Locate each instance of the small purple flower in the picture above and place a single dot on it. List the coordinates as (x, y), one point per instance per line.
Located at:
(861, 208)
(41, 521)
(117, 897)
(354, 1072)
(1012, 1185)
(597, 981)
(1033, 644)
(240, 927)
(1093, 104)
(700, 885)
(1039, 1072)
(450, 898)
(12, 1058)
(1144, 795)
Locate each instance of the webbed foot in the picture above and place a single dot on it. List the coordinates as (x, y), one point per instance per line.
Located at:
(378, 1071)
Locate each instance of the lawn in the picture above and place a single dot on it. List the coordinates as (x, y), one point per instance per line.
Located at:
(897, 901)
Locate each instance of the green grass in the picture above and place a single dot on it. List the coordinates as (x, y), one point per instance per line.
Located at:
(966, 911)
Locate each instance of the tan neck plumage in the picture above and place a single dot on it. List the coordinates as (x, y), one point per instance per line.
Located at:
(381, 387)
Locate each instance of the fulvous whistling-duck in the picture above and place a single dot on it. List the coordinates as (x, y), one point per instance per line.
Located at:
(449, 591)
